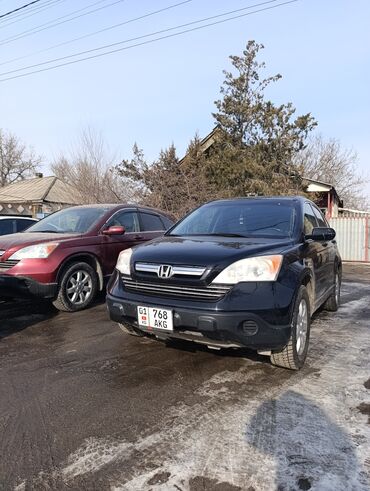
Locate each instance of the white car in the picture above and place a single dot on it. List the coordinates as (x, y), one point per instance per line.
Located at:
(12, 224)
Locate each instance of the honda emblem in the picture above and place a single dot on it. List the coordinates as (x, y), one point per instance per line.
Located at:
(165, 271)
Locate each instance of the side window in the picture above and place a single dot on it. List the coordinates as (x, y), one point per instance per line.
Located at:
(309, 219)
(167, 222)
(151, 223)
(320, 218)
(6, 226)
(127, 219)
(23, 224)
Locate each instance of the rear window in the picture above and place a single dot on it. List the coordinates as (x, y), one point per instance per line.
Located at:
(167, 222)
(24, 224)
(240, 218)
(151, 223)
(6, 226)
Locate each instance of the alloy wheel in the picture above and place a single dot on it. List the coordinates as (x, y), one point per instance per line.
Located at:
(79, 287)
(301, 327)
(337, 289)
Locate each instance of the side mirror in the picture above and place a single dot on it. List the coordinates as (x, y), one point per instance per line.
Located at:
(114, 230)
(321, 234)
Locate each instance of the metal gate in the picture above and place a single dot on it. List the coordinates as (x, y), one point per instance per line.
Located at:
(352, 237)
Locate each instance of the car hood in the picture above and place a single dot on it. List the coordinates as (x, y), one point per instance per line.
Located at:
(24, 239)
(205, 250)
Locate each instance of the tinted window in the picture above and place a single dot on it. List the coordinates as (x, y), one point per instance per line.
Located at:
(70, 220)
(151, 222)
(167, 222)
(244, 218)
(127, 219)
(320, 218)
(23, 224)
(309, 219)
(6, 226)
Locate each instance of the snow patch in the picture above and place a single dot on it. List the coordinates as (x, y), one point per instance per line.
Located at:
(93, 455)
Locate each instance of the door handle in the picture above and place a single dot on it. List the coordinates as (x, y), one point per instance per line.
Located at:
(138, 237)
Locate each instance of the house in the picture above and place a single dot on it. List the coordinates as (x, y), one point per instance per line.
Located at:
(37, 197)
(326, 197)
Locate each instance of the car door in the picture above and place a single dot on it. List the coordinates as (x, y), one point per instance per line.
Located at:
(314, 251)
(329, 252)
(151, 225)
(114, 244)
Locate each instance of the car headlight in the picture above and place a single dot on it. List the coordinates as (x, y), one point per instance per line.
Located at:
(37, 251)
(263, 268)
(123, 262)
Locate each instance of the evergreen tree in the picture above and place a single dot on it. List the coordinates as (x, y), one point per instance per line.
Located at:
(256, 138)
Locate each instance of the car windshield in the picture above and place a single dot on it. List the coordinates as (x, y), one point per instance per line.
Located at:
(69, 220)
(240, 219)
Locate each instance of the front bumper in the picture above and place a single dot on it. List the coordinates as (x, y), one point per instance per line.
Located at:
(211, 327)
(24, 287)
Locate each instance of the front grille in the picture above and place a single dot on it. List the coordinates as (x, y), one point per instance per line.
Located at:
(177, 291)
(175, 270)
(9, 263)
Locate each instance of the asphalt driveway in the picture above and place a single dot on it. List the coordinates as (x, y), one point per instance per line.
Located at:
(84, 406)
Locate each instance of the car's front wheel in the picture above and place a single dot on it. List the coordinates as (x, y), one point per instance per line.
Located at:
(77, 288)
(294, 354)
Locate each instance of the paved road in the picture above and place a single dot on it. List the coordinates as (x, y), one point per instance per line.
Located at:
(83, 406)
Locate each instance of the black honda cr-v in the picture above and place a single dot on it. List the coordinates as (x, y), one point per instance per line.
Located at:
(245, 272)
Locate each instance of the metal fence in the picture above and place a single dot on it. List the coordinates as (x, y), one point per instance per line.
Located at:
(353, 237)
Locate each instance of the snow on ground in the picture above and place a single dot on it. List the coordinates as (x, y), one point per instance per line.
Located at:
(261, 427)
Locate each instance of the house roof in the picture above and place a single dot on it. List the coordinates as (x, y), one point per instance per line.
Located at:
(40, 189)
(206, 142)
(314, 185)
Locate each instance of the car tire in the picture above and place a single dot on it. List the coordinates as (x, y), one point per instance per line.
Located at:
(130, 330)
(294, 354)
(78, 287)
(332, 303)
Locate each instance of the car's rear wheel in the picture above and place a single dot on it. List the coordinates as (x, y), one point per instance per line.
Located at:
(77, 289)
(294, 354)
(332, 303)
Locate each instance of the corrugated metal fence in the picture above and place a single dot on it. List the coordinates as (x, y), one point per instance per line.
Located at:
(353, 237)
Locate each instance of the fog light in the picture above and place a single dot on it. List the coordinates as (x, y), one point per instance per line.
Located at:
(119, 307)
(250, 328)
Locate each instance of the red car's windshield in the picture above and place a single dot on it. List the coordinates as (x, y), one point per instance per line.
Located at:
(70, 220)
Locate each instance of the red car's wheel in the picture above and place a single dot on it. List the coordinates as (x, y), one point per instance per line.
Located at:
(78, 288)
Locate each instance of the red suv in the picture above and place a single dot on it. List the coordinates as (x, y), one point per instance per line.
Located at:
(68, 256)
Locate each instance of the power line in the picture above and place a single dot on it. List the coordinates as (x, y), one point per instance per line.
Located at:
(155, 33)
(36, 29)
(20, 14)
(147, 42)
(30, 13)
(98, 32)
(19, 8)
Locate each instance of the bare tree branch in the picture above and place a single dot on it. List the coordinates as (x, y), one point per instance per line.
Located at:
(16, 160)
(327, 161)
(89, 167)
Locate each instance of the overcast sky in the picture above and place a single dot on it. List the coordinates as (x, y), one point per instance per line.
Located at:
(163, 92)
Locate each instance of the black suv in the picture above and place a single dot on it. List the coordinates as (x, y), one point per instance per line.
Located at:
(245, 272)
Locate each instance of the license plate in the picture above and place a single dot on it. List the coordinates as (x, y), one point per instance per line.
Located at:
(152, 317)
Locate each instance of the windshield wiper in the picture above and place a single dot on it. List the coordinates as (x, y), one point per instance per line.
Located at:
(49, 231)
(225, 234)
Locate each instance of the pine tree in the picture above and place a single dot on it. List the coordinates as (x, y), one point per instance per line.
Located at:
(256, 139)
